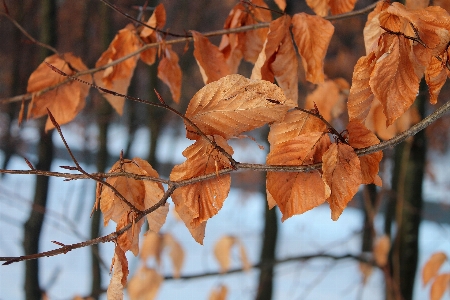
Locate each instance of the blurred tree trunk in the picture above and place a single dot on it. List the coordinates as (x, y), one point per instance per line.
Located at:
(268, 249)
(407, 180)
(33, 226)
(104, 114)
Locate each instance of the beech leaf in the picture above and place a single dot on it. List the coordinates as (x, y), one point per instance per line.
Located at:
(119, 278)
(277, 57)
(329, 98)
(381, 250)
(222, 252)
(342, 173)
(432, 266)
(67, 100)
(169, 72)
(197, 202)
(361, 95)
(143, 194)
(439, 286)
(233, 105)
(219, 293)
(210, 60)
(394, 81)
(148, 35)
(145, 284)
(361, 137)
(312, 35)
(118, 77)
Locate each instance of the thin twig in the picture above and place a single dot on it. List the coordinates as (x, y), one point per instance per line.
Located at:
(81, 170)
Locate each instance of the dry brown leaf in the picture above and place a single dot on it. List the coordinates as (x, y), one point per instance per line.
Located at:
(361, 96)
(435, 76)
(148, 35)
(196, 203)
(394, 81)
(432, 266)
(129, 240)
(176, 253)
(296, 141)
(433, 24)
(341, 6)
(66, 101)
(222, 252)
(312, 35)
(246, 44)
(342, 173)
(296, 192)
(361, 137)
(366, 270)
(219, 293)
(117, 78)
(278, 30)
(151, 247)
(329, 97)
(275, 61)
(439, 286)
(119, 278)
(143, 194)
(232, 105)
(320, 7)
(145, 284)
(169, 72)
(381, 250)
(210, 60)
(285, 67)
(293, 125)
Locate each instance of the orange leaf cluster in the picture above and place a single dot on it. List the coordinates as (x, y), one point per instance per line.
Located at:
(67, 100)
(155, 244)
(430, 272)
(301, 139)
(403, 45)
(221, 110)
(141, 194)
(222, 252)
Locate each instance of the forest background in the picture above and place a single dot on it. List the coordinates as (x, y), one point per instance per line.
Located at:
(86, 28)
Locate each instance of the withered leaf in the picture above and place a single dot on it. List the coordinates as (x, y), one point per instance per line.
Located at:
(117, 78)
(233, 105)
(439, 286)
(119, 278)
(210, 60)
(432, 266)
(361, 137)
(148, 35)
(169, 72)
(197, 202)
(342, 173)
(312, 35)
(66, 101)
(145, 284)
(222, 252)
(394, 81)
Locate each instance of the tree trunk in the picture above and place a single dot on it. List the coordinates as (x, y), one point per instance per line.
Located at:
(265, 285)
(407, 186)
(33, 226)
(103, 117)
